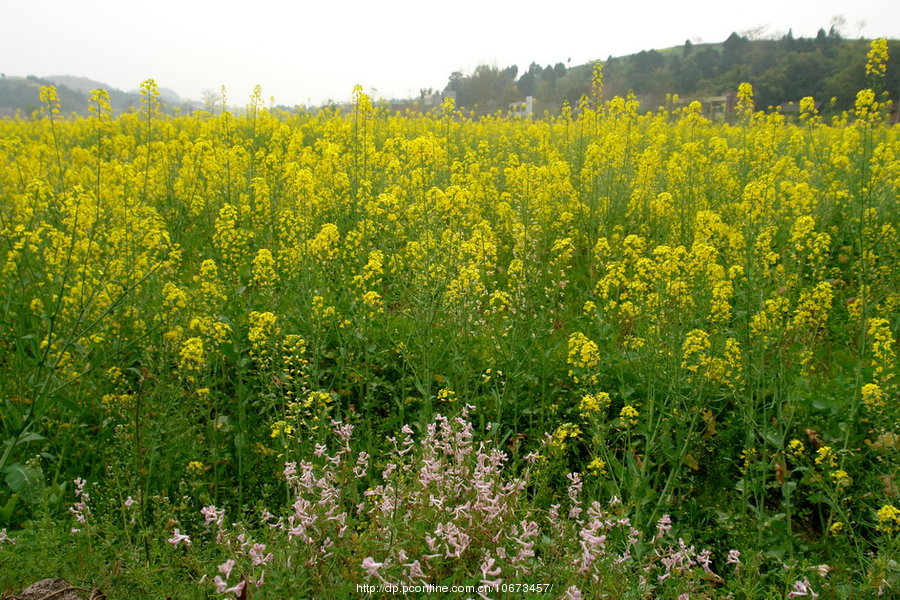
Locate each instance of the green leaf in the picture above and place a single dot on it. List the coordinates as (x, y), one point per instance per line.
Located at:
(7, 510)
(788, 488)
(772, 437)
(31, 437)
(26, 481)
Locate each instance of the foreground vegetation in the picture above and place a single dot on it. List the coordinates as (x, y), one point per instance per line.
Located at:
(272, 356)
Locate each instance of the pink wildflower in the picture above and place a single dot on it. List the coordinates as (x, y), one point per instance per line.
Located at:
(80, 509)
(371, 566)
(225, 568)
(213, 515)
(734, 558)
(344, 431)
(415, 570)
(177, 538)
(573, 593)
(362, 461)
(256, 555)
(664, 526)
(575, 486)
(5, 539)
(801, 588)
(487, 568)
(290, 471)
(238, 589)
(705, 561)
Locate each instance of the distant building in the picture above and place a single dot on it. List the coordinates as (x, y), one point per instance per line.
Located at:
(431, 100)
(522, 109)
(719, 108)
(792, 109)
(715, 108)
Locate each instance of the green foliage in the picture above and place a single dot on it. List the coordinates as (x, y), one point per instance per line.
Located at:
(781, 71)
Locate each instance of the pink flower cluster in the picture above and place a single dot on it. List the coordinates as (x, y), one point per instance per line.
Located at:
(80, 509)
(446, 503)
(802, 589)
(5, 539)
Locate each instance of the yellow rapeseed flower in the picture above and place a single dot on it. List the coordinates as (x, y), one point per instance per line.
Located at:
(597, 467)
(825, 456)
(877, 57)
(888, 518)
(593, 404)
(629, 415)
(796, 448)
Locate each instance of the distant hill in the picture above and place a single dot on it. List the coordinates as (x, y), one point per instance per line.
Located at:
(781, 70)
(78, 84)
(22, 94)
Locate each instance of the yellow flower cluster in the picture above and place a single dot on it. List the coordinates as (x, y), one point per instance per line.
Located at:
(877, 58)
(873, 397)
(210, 329)
(231, 240)
(562, 433)
(195, 468)
(888, 519)
(694, 350)
(372, 301)
(593, 404)
(629, 415)
(263, 329)
(320, 311)
(446, 395)
(282, 428)
(840, 477)
(324, 246)
(263, 269)
(813, 308)
(597, 467)
(372, 271)
(174, 298)
(294, 363)
(209, 287)
(192, 357)
(826, 457)
(584, 357)
(745, 99)
(807, 107)
(317, 401)
(879, 332)
(810, 247)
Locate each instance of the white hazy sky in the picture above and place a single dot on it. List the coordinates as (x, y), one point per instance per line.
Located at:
(304, 52)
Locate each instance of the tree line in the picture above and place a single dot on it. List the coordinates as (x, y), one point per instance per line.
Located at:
(828, 67)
